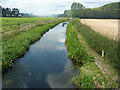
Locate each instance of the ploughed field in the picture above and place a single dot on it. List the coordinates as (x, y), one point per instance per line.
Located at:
(107, 27)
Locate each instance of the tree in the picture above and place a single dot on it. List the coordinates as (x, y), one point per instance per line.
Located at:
(0, 11)
(111, 10)
(67, 13)
(76, 6)
(15, 12)
(3, 12)
(8, 12)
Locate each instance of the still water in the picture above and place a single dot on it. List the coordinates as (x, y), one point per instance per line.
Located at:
(45, 65)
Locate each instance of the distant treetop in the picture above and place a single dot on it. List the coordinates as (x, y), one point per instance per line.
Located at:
(108, 11)
(76, 6)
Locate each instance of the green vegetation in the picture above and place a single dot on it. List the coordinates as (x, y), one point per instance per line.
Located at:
(90, 75)
(9, 24)
(101, 12)
(106, 11)
(99, 42)
(13, 26)
(17, 46)
(13, 12)
(75, 53)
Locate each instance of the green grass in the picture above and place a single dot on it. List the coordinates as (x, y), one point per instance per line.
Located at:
(99, 42)
(17, 47)
(75, 53)
(9, 24)
(90, 76)
(22, 25)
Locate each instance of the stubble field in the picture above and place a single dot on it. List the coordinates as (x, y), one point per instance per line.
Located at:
(107, 27)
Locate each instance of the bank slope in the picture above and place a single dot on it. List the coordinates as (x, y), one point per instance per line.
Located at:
(90, 76)
(15, 48)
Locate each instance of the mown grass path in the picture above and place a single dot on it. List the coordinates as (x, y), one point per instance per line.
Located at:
(92, 73)
(104, 66)
(98, 43)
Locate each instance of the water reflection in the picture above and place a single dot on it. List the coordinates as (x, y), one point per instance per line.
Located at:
(18, 74)
(61, 80)
(45, 65)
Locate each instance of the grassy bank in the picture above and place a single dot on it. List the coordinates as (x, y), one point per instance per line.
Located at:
(22, 25)
(99, 42)
(17, 47)
(90, 75)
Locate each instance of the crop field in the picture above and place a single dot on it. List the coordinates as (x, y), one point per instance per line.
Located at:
(44, 45)
(15, 23)
(107, 27)
(13, 26)
(18, 42)
(90, 75)
(99, 42)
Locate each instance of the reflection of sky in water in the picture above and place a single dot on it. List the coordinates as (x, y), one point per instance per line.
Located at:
(54, 40)
(45, 65)
(61, 80)
(19, 73)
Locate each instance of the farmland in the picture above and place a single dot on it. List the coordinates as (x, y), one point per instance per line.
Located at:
(91, 74)
(99, 42)
(18, 42)
(9, 24)
(57, 45)
(13, 26)
(106, 27)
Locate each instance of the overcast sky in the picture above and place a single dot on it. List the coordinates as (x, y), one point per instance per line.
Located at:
(44, 7)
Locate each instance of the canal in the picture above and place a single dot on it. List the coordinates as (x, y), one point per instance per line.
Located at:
(45, 65)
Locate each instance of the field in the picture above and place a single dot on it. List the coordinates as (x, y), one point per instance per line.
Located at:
(13, 26)
(17, 42)
(90, 75)
(25, 31)
(99, 42)
(107, 27)
(15, 23)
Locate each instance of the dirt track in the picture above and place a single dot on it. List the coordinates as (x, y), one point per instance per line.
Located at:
(107, 27)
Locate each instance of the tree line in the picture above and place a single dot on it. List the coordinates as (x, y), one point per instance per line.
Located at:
(107, 11)
(7, 12)
(14, 12)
